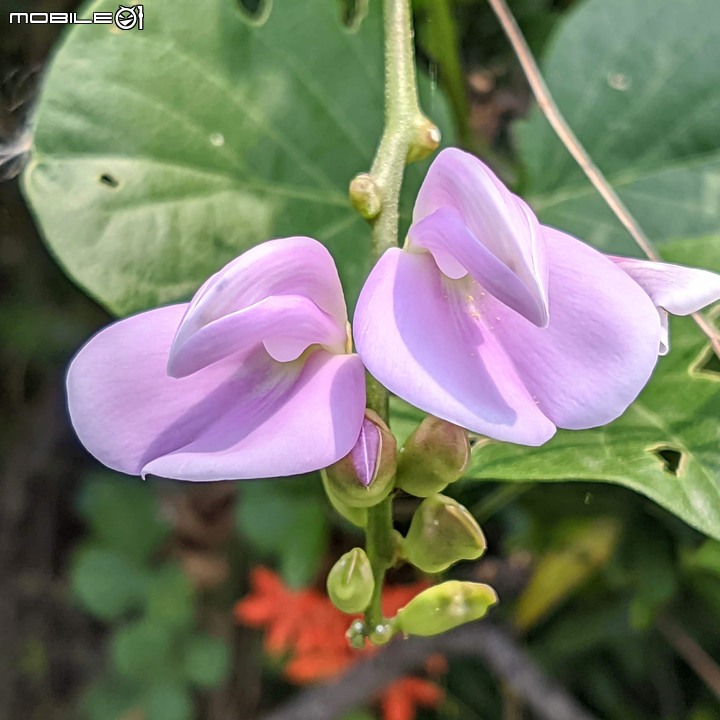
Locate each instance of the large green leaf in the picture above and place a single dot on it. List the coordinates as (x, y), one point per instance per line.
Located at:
(640, 84)
(666, 446)
(161, 154)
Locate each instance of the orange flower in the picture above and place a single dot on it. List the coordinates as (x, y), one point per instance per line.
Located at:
(307, 627)
(402, 698)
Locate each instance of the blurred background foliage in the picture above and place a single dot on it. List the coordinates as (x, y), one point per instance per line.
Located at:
(116, 596)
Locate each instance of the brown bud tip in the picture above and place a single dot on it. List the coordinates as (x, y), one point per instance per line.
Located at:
(426, 139)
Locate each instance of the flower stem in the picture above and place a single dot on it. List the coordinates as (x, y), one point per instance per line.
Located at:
(379, 549)
(407, 135)
(402, 118)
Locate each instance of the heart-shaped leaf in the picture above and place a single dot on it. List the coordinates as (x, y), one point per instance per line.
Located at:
(161, 154)
(639, 82)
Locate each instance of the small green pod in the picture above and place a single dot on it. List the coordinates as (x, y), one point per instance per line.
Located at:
(435, 455)
(350, 583)
(442, 532)
(444, 607)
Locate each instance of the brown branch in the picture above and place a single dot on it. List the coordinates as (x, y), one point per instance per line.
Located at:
(573, 145)
(492, 645)
(691, 652)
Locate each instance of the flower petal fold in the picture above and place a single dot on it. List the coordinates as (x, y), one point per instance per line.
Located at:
(295, 266)
(285, 324)
(600, 348)
(499, 219)
(458, 252)
(228, 420)
(421, 335)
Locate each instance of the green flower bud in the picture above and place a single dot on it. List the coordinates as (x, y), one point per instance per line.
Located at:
(445, 606)
(350, 583)
(355, 515)
(365, 196)
(434, 456)
(442, 532)
(365, 476)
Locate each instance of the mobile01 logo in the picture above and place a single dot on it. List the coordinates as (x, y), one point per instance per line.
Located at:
(125, 18)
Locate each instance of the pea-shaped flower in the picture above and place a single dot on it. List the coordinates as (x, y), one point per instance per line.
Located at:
(251, 379)
(507, 327)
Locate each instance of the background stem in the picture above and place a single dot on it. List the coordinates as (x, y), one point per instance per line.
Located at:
(569, 139)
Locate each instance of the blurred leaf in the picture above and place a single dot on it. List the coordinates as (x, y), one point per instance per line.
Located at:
(285, 518)
(644, 100)
(585, 548)
(679, 411)
(171, 599)
(143, 651)
(207, 660)
(570, 637)
(108, 700)
(181, 145)
(651, 570)
(359, 715)
(706, 557)
(168, 701)
(108, 584)
(439, 37)
(123, 514)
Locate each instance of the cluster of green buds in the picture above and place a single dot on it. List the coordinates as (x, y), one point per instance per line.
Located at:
(441, 533)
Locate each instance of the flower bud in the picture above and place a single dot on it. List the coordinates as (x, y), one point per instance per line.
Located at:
(445, 606)
(425, 140)
(434, 456)
(442, 532)
(350, 583)
(355, 515)
(364, 477)
(365, 196)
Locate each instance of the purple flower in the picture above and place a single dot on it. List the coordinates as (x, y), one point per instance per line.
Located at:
(251, 379)
(507, 327)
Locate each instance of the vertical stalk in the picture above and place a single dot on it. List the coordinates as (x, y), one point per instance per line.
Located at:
(407, 135)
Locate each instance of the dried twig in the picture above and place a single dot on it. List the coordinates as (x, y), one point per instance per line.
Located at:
(485, 641)
(573, 145)
(691, 652)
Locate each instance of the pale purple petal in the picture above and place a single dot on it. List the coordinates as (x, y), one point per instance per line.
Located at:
(291, 266)
(260, 418)
(286, 325)
(421, 335)
(458, 252)
(121, 400)
(499, 220)
(600, 347)
(677, 289)
(311, 425)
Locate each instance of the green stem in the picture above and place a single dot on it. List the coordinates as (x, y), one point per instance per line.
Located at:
(380, 552)
(407, 134)
(403, 118)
